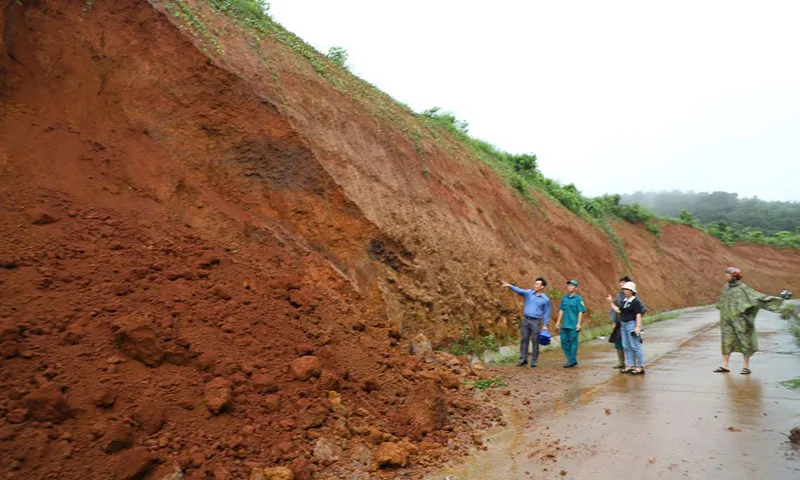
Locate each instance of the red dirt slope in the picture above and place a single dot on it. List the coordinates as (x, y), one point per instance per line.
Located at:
(463, 226)
(215, 267)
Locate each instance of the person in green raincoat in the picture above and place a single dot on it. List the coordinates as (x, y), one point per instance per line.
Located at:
(738, 307)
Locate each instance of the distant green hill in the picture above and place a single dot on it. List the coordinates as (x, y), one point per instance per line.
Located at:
(768, 217)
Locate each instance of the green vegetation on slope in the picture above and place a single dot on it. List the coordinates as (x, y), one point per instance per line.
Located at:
(430, 126)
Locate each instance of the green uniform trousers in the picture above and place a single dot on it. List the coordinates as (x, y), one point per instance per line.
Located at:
(569, 344)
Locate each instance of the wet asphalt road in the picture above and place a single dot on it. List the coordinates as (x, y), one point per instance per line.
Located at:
(679, 420)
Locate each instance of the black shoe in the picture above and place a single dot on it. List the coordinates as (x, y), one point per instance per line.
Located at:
(522, 363)
(533, 365)
(570, 365)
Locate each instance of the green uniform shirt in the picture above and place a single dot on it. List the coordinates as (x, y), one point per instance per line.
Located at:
(571, 306)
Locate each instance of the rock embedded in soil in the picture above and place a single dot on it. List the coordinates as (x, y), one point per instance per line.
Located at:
(221, 473)
(206, 362)
(217, 394)
(449, 380)
(18, 415)
(177, 474)
(329, 381)
(427, 408)
(9, 349)
(105, 398)
(140, 343)
(119, 437)
(271, 403)
(134, 464)
(208, 262)
(305, 367)
(150, 417)
(421, 348)
(264, 383)
(312, 418)
(391, 454)
(47, 404)
(370, 384)
(327, 451)
(180, 357)
(8, 263)
(278, 473)
(39, 218)
(336, 404)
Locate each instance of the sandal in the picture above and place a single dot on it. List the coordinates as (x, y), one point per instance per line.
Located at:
(721, 370)
(637, 371)
(626, 370)
(745, 371)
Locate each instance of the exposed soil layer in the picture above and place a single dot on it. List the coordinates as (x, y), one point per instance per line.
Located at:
(210, 267)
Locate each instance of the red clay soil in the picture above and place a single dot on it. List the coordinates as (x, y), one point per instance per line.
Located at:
(463, 227)
(207, 268)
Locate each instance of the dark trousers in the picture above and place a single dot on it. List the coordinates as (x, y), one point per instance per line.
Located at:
(530, 331)
(569, 344)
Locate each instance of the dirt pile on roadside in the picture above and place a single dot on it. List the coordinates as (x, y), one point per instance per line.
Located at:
(128, 350)
(182, 285)
(794, 436)
(208, 267)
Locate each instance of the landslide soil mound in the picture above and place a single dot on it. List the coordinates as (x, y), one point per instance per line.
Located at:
(218, 264)
(182, 283)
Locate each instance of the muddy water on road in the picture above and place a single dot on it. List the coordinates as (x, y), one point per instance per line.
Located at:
(679, 420)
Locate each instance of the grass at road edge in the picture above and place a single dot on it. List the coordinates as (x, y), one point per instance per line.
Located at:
(485, 383)
(794, 383)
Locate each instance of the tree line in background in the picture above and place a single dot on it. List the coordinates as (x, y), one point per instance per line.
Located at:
(726, 216)
(769, 217)
(720, 214)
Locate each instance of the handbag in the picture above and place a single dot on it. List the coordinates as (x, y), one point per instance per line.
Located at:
(615, 334)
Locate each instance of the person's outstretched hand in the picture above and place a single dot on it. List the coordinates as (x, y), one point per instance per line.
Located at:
(505, 284)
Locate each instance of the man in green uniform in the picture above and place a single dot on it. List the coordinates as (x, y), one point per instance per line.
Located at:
(571, 312)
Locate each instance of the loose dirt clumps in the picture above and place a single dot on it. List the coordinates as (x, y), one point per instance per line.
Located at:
(306, 367)
(217, 394)
(134, 464)
(391, 454)
(201, 271)
(47, 404)
(141, 343)
(794, 436)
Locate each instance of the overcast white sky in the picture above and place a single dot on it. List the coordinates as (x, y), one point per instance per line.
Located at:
(614, 96)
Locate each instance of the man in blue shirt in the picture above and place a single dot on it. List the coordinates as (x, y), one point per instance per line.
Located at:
(537, 315)
(571, 312)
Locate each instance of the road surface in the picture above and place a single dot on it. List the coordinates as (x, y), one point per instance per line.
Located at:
(679, 420)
